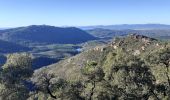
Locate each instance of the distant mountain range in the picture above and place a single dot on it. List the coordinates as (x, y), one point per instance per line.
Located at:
(108, 33)
(128, 26)
(46, 34)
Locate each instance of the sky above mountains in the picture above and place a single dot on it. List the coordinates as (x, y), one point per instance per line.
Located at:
(15, 13)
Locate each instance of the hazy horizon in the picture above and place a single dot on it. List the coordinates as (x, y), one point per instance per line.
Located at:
(84, 25)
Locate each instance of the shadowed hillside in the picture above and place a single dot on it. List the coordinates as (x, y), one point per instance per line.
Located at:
(46, 34)
(7, 47)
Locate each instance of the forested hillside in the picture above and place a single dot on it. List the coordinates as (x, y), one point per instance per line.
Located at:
(135, 67)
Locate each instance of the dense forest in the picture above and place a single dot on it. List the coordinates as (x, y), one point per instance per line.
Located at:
(135, 67)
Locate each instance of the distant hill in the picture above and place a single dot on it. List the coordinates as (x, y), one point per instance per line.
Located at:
(46, 34)
(7, 47)
(129, 26)
(108, 33)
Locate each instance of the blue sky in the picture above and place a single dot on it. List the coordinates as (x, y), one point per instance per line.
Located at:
(15, 13)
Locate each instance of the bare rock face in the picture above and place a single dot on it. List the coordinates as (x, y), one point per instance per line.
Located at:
(115, 47)
(143, 48)
(157, 44)
(137, 52)
(99, 48)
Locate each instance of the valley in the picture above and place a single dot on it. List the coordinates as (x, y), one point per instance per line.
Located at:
(47, 44)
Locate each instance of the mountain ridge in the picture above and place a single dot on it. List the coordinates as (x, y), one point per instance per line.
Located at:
(47, 34)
